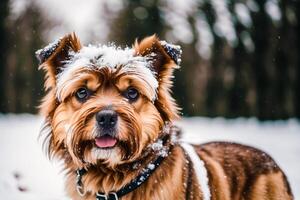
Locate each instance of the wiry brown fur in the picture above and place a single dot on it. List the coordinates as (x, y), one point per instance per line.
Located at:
(164, 66)
(234, 171)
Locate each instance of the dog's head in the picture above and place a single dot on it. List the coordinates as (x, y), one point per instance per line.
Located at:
(105, 104)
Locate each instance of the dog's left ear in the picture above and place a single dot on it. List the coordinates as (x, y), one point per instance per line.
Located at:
(53, 57)
(162, 54)
(164, 59)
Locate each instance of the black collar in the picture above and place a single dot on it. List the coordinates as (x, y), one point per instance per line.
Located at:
(135, 183)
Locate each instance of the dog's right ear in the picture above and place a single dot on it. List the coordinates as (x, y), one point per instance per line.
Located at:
(53, 56)
(164, 58)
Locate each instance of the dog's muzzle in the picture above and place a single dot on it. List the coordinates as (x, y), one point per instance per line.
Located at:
(107, 120)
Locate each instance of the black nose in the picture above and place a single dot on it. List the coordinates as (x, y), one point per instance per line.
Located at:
(107, 119)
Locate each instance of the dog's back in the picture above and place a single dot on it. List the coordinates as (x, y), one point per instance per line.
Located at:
(241, 172)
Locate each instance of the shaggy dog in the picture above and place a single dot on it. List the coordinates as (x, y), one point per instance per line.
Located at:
(109, 116)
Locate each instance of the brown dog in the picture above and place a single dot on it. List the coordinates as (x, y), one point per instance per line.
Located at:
(109, 115)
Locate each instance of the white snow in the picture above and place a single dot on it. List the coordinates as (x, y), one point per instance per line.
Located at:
(89, 20)
(175, 14)
(103, 55)
(151, 166)
(24, 165)
(18, 7)
(21, 154)
(243, 14)
(159, 148)
(273, 10)
(224, 25)
(252, 5)
(50, 47)
(206, 38)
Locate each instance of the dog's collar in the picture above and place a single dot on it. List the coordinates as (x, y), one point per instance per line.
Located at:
(135, 183)
(161, 148)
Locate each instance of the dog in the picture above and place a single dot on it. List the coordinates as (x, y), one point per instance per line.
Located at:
(109, 115)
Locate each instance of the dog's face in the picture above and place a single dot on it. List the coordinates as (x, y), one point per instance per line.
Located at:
(105, 105)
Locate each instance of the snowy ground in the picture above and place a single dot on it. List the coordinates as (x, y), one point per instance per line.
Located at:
(25, 172)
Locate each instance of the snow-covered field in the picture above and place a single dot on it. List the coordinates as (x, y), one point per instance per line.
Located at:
(26, 173)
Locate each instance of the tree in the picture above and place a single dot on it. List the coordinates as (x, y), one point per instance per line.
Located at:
(23, 82)
(137, 20)
(3, 47)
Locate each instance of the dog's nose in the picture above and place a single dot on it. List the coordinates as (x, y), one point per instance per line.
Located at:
(107, 119)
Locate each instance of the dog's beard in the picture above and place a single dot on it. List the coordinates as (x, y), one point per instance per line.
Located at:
(81, 132)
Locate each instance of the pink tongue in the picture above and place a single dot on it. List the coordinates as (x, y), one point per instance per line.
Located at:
(105, 141)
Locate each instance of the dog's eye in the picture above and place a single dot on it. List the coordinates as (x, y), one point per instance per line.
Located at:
(131, 94)
(82, 94)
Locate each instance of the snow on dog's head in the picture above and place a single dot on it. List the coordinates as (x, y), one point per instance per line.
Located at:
(105, 104)
(116, 60)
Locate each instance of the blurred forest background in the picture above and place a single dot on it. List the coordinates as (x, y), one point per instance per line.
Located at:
(240, 57)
